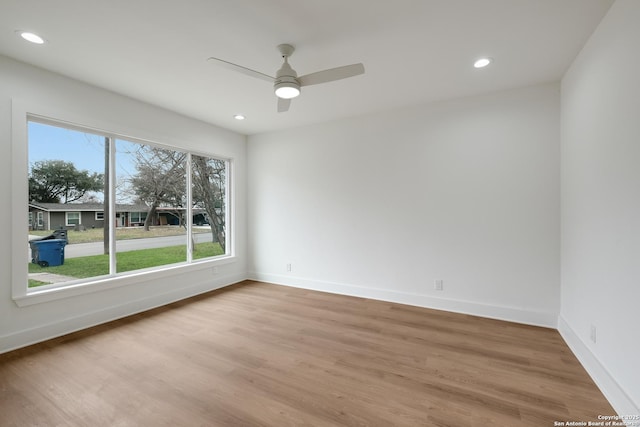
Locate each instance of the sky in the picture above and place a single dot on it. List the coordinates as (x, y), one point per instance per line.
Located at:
(84, 150)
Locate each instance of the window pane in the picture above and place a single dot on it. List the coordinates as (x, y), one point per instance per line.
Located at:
(73, 218)
(209, 206)
(150, 206)
(66, 188)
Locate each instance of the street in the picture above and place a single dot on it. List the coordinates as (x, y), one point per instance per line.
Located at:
(97, 248)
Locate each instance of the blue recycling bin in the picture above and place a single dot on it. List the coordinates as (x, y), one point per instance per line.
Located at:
(47, 253)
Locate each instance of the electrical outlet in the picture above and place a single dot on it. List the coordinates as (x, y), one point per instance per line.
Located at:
(438, 285)
(289, 267)
(592, 335)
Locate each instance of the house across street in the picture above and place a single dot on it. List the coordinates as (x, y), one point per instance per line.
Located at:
(55, 216)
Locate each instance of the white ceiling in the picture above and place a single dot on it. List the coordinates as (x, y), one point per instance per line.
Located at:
(414, 51)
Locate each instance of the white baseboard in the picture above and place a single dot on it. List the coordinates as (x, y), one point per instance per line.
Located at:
(511, 314)
(620, 401)
(52, 330)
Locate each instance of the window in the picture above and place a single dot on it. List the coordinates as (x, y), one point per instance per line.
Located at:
(40, 220)
(154, 177)
(30, 220)
(72, 218)
(146, 195)
(137, 217)
(208, 178)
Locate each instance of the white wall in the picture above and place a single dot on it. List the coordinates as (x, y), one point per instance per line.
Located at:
(601, 206)
(23, 325)
(380, 206)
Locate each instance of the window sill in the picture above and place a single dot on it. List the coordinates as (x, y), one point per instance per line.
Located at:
(72, 289)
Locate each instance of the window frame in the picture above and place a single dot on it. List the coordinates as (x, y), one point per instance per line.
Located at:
(22, 113)
(67, 215)
(99, 216)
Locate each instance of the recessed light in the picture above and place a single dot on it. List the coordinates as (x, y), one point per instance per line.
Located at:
(482, 62)
(31, 37)
(239, 117)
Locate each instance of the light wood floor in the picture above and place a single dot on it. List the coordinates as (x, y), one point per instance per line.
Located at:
(256, 354)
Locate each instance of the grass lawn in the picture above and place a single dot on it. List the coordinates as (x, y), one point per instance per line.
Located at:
(34, 283)
(98, 265)
(122, 233)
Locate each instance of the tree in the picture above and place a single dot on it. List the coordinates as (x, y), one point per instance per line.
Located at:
(160, 179)
(58, 181)
(208, 192)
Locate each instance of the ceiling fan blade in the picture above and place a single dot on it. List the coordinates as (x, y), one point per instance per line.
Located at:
(331, 74)
(283, 105)
(241, 69)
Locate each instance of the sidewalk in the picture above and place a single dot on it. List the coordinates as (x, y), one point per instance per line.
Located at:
(50, 277)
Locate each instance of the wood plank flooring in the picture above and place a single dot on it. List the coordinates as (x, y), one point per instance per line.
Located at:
(256, 354)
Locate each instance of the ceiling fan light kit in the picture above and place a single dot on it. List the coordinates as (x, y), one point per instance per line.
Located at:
(287, 84)
(287, 90)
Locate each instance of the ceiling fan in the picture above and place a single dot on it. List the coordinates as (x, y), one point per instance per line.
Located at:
(286, 83)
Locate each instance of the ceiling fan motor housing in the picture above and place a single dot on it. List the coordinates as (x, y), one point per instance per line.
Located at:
(286, 85)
